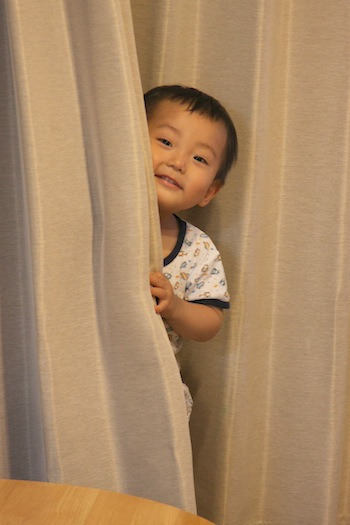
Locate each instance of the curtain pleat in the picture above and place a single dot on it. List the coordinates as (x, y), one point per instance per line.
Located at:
(90, 390)
(270, 425)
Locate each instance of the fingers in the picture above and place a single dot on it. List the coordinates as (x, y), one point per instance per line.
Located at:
(158, 292)
(159, 280)
(160, 285)
(162, 290)
(162, 298)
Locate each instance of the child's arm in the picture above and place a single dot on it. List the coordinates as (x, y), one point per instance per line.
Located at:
(193, 321)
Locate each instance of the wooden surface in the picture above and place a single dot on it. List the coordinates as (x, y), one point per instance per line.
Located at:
(36, 503)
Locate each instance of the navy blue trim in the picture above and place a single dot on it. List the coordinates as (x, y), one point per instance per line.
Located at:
(212, 302)
(182, 232)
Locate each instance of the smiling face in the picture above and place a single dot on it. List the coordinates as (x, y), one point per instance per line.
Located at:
(187, 151)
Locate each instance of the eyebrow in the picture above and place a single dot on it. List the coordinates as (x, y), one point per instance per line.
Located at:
(199, 144)
(207, 146)
(168, 126)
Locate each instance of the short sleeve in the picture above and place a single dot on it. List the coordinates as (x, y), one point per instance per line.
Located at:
(206, 282)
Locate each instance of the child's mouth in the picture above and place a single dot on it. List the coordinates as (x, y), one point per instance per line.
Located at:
(168, 180)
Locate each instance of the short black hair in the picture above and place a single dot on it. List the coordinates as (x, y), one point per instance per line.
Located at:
(204, 104)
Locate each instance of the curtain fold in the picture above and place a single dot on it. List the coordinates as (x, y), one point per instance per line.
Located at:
(90, 390)
(270, 424)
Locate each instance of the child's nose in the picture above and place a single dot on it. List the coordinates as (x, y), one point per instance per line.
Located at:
(177, 163)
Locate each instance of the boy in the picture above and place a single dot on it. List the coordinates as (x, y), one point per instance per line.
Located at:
(194, 145)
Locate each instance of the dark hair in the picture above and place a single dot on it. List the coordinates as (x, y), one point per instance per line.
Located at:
(205, 105)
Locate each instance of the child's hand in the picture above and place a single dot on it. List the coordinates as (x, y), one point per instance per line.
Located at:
(163, 291)
(197, 322)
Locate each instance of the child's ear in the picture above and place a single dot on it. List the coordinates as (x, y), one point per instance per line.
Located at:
(212, 191)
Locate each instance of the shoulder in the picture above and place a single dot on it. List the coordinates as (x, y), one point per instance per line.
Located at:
(198, 241)
(193, 233)
(206, 280)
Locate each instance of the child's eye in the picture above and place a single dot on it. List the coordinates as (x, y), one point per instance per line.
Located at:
(165, 142)
(202, 160)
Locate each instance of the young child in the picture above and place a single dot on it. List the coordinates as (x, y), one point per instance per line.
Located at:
(194, 145)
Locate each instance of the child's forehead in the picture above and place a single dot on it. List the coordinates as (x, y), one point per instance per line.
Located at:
(169, 107)
(169, 110)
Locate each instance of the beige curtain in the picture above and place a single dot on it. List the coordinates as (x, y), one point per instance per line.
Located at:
(271, 420)
(89, 388)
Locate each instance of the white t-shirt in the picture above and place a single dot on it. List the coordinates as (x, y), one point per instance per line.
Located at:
(196, 273)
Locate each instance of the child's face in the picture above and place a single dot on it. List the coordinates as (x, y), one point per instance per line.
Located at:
(187, 150)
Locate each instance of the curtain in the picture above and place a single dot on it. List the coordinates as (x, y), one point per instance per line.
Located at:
(271, 419)
(90, 390)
